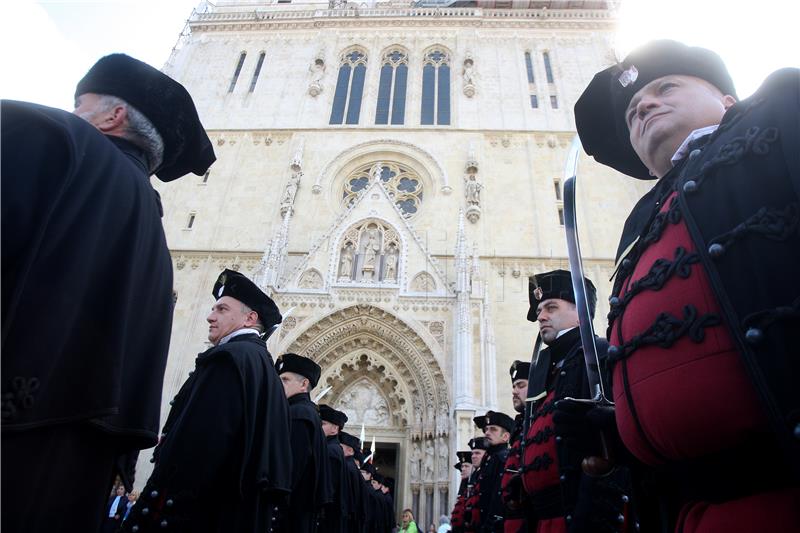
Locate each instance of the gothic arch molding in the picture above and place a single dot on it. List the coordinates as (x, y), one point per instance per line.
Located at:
(423, 162)
(364, 339)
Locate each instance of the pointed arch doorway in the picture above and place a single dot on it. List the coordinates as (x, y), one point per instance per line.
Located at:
(384, 374)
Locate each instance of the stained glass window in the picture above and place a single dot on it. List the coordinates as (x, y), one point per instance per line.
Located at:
(392, 88)
(402, 183)
(435, 88)
(349, 88)
(237, 71)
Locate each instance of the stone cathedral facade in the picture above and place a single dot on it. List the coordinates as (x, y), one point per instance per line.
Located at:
(391, 174)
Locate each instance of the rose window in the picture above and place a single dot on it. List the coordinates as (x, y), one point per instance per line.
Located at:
(402, 184)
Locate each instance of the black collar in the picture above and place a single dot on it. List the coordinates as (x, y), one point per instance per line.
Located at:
(300, 397)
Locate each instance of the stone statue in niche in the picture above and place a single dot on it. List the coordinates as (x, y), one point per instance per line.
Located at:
(416, 457)
(472, 190)
(429, 462)
(346, 262)
(443, 456)
(468, 75)
(372, 248)
(391, 263)
(317, 70)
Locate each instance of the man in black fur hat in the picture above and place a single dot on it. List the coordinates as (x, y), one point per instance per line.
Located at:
(497, 428)
(705, 307)
(311, 482)
(513, 494)
(559, 496)
(224, 459)
(335, 514)
(87, 287)
(464, 467)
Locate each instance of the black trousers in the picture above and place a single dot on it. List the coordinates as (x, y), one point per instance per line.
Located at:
(55, 479)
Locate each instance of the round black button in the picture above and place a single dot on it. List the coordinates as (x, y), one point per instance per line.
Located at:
(694, 153)
(754, 335)
(614, 351)
(690, 186)
(716, 250)
(614, 301)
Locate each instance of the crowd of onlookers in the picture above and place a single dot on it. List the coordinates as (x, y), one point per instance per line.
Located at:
(118, 507)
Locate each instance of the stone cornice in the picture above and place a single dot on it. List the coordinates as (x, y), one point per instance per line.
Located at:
(403, 17)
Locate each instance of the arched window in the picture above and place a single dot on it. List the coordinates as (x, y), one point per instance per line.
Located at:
(403, 184)
(349, 88)
(436, 88)
(237, 71)
(392, 88)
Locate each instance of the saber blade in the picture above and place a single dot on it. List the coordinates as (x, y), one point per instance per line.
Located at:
(576, 268)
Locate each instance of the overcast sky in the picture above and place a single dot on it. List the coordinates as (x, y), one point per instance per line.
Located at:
(47, 46)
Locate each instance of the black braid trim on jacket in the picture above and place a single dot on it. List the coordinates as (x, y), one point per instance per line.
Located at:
(546, 409)
(667, 329)
(541, 462)
(755, 140)
(764, 319)
(660, 272)
(653, 235)
(543, 435)
(769, 223)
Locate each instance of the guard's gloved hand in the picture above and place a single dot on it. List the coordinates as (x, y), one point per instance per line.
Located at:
(570, 422)
(513, 493)
(581, 424)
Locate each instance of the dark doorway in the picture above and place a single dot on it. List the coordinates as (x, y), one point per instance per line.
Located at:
(385, 461)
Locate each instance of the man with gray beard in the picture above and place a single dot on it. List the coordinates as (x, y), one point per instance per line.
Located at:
(86, 287)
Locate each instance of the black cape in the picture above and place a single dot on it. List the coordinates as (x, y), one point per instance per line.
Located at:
(83, 251)
(358, 511)
(86, 305)
(336, 512)
(224, 461)
(311, 483)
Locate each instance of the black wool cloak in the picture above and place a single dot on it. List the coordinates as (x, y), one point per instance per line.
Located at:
(224, 460)
(336, 512)
(311, 482)
(86, 279)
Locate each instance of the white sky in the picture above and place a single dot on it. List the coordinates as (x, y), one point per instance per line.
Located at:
(47, 46)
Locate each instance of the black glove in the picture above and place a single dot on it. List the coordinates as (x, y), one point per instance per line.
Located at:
(571, 424)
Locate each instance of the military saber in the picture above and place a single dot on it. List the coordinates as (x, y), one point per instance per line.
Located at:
(591, 359)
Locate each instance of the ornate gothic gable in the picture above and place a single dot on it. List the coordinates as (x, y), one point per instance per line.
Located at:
(372, 245)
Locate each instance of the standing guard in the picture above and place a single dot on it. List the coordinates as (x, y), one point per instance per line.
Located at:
(497, 428)
(561, 497)
(705, 307)
(351, 447)
(513, 492)
(464, 466)
(472, 512)
(335, 514)
(224, 459)
(311, 485)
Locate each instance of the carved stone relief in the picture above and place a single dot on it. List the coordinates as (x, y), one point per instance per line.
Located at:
(311, 279)
(364, 403)
(423, 282)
